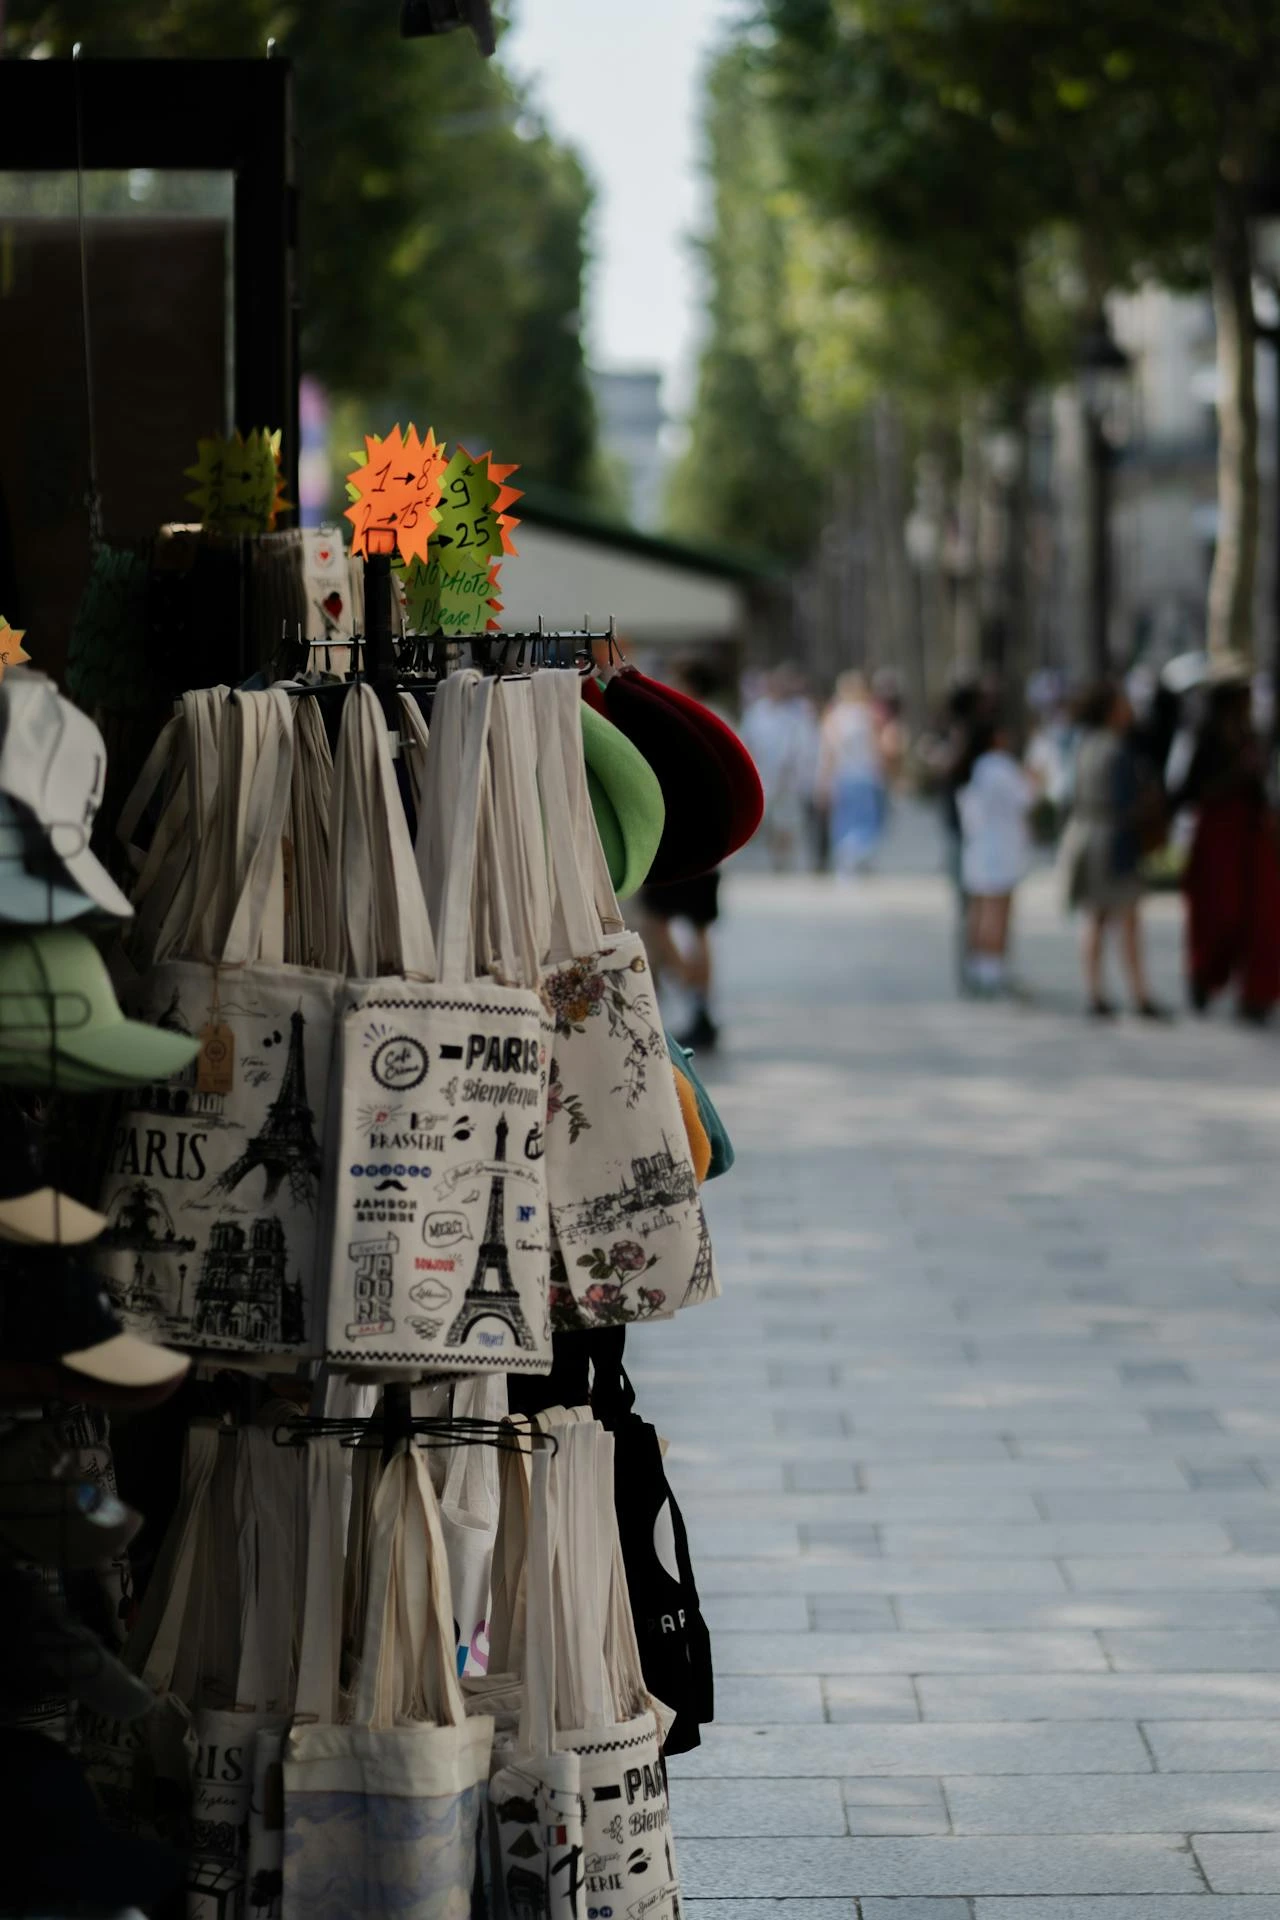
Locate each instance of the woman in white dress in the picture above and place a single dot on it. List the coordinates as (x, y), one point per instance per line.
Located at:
(851, 775)
(996, 851)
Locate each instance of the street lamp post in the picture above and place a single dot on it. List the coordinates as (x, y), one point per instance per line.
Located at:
(1102, 370)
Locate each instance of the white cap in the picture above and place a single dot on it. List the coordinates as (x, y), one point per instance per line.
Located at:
(53, 760)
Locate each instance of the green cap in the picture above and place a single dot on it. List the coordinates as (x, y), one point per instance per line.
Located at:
(626, 800)
(60, 1024)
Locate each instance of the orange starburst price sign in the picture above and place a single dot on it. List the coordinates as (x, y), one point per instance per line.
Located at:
(395, 493)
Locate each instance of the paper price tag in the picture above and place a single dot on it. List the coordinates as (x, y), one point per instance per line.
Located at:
(454, 600)
(216, 1066)
(473, 525)
(12, 653)
(395, 493)
(239, 488)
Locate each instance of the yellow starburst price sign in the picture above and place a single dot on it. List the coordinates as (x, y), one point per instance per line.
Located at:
(239, 486)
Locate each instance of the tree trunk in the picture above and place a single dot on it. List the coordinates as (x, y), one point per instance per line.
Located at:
(896, 643)
(966, 646)
(1017, 660)
(1231, 585)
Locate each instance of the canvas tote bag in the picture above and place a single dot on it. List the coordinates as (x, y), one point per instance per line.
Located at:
(213, 1183)
(237, 1742)
(632, 1242)
(439, 1258)
(536, 1808)
(382, 1814)
(469, 1506)
(602, 1712)
(142, 1770)
(180, 778)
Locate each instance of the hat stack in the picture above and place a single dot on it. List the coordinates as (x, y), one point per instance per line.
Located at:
(673, 789)
(61, 1031)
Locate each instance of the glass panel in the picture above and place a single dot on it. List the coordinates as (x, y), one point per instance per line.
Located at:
(158, 264)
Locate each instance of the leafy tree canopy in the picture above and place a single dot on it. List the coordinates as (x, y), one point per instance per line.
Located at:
(442, 226)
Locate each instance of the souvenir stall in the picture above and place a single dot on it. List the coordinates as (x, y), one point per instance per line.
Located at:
(343, 1144)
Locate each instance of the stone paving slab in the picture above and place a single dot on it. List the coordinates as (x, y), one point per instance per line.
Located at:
(1227, 1746)
(1123, 1907)
(1240, 1862)
(1115, 1696)
(1102, 1746)
(909, 1652)
(1107, 1863)
(925, 1613)
(980, 1451)
(1154, 1803)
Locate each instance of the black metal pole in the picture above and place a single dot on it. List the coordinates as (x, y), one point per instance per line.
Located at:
(379, 655)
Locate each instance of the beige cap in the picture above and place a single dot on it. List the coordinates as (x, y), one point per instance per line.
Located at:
(125, 1360)
(48, 1218)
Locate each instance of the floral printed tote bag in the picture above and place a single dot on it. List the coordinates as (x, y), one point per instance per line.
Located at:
(631, 1240)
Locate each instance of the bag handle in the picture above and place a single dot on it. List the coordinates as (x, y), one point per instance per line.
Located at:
(471, 1480)
(515, 854)
(317, 1695)
(537, 1733)
(583, 1574)
(576, 929)
(442, 769)
(415, 738)
(506, 1605)
(591, 854)
(457, 944)
(194, 859)
(378, 915)
(407, 1662)
(310, 801)
(255, 927)
(152, 1648)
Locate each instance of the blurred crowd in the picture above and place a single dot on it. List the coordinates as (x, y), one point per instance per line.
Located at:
(1156, 782)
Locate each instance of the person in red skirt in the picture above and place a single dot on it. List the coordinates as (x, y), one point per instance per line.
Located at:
(1232, 879)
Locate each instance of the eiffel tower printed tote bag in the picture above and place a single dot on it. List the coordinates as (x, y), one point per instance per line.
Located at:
(439, 1244)
(631, 1242)
(213, 1184)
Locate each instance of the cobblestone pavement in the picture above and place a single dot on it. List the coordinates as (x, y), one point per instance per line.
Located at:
(980, 1452)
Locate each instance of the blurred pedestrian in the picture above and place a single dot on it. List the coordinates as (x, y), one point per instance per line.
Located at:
(777, 730)
(1102, 847)
(692, 906)
(1050, 760)
(851, 777)
(1232, 878)
(996, 851)
(947, 756)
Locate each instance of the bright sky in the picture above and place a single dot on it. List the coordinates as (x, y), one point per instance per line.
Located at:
(621, 80)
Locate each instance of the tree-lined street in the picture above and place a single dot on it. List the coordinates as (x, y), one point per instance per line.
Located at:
(980, 1452)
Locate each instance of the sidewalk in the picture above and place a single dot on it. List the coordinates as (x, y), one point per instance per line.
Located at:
(979, 1452)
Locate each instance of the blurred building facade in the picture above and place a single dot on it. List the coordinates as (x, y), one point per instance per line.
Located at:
(630, 422)
(1164, 517)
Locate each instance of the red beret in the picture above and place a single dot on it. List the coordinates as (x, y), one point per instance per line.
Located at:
(695, 790)
(746, 795)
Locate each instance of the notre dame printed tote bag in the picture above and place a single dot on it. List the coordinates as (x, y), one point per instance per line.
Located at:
(632, 1243)
(440, 1239)
(213, 1185)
